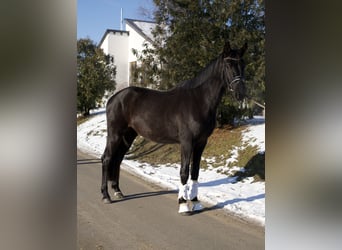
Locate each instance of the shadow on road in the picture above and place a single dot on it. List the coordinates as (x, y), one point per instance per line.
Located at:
(144, 195)
(220, 205)
(88, 161)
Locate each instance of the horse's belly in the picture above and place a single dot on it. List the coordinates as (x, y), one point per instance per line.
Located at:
(159, 138)
(157, 132)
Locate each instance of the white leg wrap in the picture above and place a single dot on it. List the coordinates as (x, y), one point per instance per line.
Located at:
(183, 191)
(193, 189)
(196, 206)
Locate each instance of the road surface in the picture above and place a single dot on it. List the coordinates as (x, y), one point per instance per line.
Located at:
(148, 218)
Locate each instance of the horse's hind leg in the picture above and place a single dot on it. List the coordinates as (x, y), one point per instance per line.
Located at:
(105, 173)
(125, 144)
(107, 161)
(115, 172)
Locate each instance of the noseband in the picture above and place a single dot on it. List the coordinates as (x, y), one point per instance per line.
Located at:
(237, 78)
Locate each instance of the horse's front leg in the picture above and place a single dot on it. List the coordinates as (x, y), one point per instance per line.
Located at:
(186, 151)
(193, 185)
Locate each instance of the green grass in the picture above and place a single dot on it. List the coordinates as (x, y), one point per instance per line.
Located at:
(220, 145)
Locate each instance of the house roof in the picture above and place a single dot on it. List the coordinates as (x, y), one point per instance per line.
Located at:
(144, 28)
(111, 31)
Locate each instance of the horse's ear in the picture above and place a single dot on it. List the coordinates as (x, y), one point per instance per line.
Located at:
(226, 49)
(243, 49)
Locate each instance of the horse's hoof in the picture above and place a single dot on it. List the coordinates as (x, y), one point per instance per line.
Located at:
(119, 195)
(196, 206)
(107, 200)
(186, 213)
(184, 209)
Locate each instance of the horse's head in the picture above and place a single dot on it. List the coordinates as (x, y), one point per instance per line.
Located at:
(234, 72)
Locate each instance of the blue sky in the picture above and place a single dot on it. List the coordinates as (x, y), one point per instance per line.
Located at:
(95, 16)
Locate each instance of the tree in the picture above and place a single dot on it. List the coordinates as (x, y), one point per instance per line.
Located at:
(95, 75)
(189, 34)
(247, 23)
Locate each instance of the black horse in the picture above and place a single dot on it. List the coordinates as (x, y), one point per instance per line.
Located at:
(185, 114)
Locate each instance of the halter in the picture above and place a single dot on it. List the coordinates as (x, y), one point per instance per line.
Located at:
(236, 78)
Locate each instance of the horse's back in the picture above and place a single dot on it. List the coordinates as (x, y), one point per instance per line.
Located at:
(121, 98)
(137, 98)
(127, 101)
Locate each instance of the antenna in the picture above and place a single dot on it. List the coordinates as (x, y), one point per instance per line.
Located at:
(121, 21)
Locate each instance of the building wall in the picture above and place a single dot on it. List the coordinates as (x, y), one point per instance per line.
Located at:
(119, 44)
(116, 45)
(104, 45)
(136, 41)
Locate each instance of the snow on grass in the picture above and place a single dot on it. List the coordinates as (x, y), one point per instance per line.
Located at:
(245, 199)
(255, 134)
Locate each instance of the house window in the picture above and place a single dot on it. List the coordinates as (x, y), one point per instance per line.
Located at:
(133, 77)
(137, 76)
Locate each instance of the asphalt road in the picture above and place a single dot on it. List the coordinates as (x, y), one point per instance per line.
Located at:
(148, 218)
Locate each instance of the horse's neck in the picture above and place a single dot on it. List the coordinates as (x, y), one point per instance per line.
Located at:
(210, 71)
(212, 91)
(208, 84)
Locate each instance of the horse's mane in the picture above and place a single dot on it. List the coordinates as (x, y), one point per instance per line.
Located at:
(213, 67)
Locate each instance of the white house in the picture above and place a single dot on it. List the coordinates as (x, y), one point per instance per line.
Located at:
(119, 44)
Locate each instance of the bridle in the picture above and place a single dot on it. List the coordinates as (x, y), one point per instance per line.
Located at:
(237, 78)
